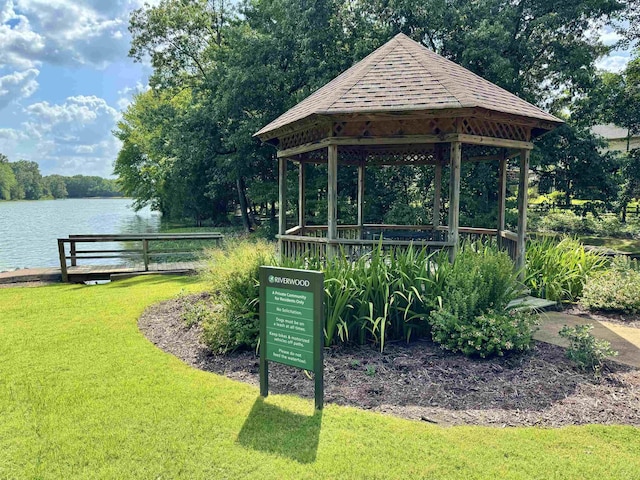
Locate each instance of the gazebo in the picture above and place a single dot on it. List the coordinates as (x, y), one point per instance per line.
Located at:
(404, 105)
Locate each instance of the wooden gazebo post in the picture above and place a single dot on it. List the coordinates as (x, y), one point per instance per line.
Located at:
(282, 201)
(523, 196)
(502, 196)
(454, 197)
(332, 199)
(360, 198)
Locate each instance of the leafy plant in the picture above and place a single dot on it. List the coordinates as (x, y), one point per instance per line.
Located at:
(584, 349)
(616, 289)
(558, 270)
(484, 335)
(233, 272)
(473, 317)
(196, 313)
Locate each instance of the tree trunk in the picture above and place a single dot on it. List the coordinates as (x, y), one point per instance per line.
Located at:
(246, 223)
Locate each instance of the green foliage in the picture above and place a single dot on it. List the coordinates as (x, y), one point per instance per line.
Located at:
(8, 181)
(558, 270)
(233, 273)
(381, 296)
(22, 180)
(473, 317)
(28, 181)
(616, 289)
(584, 349)
(197, 313)
(568, 222)
(484, 335)
(570, 159)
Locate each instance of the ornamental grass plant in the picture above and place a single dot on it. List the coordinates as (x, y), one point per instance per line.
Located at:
(558, 270)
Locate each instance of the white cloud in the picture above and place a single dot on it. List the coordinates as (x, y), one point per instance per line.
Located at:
(17, 85)
(64, 32)
(614, 63)
(73, 137)
(126, 94)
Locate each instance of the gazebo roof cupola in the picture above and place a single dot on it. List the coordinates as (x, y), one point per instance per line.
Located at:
(402, 80)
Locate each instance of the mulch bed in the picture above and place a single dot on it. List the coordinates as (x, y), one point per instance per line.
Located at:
(421, 381)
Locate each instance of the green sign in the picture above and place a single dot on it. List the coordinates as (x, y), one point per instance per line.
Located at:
(290, 327)
(291, 322)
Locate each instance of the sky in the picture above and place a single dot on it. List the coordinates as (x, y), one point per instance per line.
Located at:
(65, 77)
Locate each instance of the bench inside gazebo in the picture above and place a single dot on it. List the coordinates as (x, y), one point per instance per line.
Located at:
(404, 105)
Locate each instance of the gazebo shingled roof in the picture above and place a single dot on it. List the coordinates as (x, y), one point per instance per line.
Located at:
(404, 76)
(403, 105)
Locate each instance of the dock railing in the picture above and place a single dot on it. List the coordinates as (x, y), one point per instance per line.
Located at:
(142, 254)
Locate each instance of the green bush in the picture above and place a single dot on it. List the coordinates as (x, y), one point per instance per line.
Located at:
(584, 349)
(473, 317)
(196, 313)
(558, 270)
(484, 335)
(233, 272)
(616, 289)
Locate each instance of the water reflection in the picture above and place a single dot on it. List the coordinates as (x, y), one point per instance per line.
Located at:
(28, 230)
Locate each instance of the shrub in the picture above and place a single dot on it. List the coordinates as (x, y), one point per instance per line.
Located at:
(233, 272)
(196, 313)
(484, 335)
(616, 289)
(558, 270)
(584, 349)
(473, 317)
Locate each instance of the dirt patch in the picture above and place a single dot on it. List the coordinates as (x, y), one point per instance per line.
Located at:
(627, 320)
(421, 381)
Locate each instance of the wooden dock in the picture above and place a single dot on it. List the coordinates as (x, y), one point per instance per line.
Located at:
(134, 254)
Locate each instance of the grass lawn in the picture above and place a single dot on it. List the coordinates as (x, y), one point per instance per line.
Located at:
(84, 395)
(627, 245)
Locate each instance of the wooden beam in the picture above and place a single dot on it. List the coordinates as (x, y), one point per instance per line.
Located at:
(361, 167)
(454, 197)
(332, 195)
(437, 194)
(301, 195)
(282, 200)
(304, 148)
(395, 140)
(494, 142)
(502, 194)
(523, 186)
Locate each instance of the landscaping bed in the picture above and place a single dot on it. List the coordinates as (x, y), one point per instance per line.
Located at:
(421, 381)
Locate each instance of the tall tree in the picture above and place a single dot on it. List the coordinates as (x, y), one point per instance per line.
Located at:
(29, 180)
(7, 178)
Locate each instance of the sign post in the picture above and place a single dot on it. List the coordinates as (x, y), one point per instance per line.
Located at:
(291, 323)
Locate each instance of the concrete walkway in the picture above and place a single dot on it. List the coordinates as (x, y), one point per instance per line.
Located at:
(625, 340)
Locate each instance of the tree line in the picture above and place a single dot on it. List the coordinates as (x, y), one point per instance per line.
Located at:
(22, 180)
(222, 70)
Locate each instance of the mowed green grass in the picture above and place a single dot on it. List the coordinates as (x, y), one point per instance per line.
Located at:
(84, 395)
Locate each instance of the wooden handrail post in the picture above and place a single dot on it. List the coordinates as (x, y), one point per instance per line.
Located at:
(145, 254)
(63, 261)
(73, 253)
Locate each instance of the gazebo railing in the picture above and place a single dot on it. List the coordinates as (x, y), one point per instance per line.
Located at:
(354, 240)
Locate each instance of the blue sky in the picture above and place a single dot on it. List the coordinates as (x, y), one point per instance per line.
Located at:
(65, 77)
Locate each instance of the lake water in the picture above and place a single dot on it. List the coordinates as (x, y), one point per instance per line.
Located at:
(28, 230)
